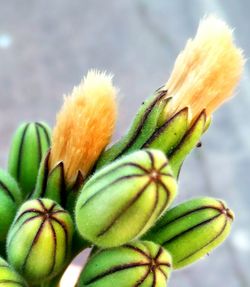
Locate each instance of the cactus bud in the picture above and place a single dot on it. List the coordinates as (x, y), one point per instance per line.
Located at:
(39, 240)
(121, 201)
(10, 199)
(192, 229)
(136, 264)
(29, 144)
(8, 277)
(142, 128)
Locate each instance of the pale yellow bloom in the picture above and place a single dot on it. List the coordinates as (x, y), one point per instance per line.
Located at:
(84, 125)
(206, 71)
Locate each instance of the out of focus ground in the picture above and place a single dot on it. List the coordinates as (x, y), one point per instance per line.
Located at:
(47, 46)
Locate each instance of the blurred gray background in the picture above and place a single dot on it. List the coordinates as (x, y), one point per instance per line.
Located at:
(47, 46)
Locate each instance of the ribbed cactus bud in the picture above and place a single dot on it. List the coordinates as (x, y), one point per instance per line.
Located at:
(137, 264)
(192, 229)
(10, 199)
(39, 241)
(143, 126)
(29, 144)
(176, 137)
(121, 201)
(8, 277)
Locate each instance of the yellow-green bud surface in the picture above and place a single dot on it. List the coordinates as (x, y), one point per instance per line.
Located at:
(123, 200)
(29, 144)
(141, 263)
(192, 229)
(9, 277)
(39, 241)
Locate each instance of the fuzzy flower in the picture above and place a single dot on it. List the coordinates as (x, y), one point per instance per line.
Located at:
(206, 71)
(84, 125)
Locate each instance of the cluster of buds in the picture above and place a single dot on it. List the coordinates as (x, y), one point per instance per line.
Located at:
(65, 191)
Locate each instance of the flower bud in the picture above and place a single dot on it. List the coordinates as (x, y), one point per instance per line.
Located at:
(39, 241)
(29, 144)
(121, 201)
(141, 263)
(8, 277)
(176, 137)
(10, 199)
(142, 128)
(192, 229)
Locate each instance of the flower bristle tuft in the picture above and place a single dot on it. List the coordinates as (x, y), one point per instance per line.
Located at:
(206, 71)
(84, 124)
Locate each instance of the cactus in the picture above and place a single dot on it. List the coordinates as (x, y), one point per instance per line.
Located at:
(41, 227)
(140, 263)
(118, 197)
(120, 202)
(192, 229)
(29, 145)
(141, 129)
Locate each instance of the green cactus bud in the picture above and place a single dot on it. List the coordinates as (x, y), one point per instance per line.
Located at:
(10, 199)
(8, 277)
(29, 144)
(39, 240)
(176, 137)
(121, 201)
(142, 128)
(192, 229)
(137, 264)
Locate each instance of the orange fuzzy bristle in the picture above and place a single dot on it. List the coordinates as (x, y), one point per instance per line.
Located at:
(84, 125)
(206, 71)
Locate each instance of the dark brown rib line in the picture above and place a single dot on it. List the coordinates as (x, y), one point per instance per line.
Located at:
(165, 164)
(178, 146)
(29, 211)
(20, 151)
(42, 205)
(158, 253)
(162, 272)
(116, 269)
(190, 212)
(211, 241)
(191, 229)
(124, 209)
(151, 158)
(4, 187)
(52, 207)
(164, 187)
(59, 211)
(138, 250)
(45, 132)
(162, 128)
(154, 278)
(20, 227)
(120, 166)
(141, 124)
(45, 175)
(26, 221)
(55, 247)
(36, 238)
(58, 221)
(144, 277)
(39, 145)
(152, 211)
(104, 188)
